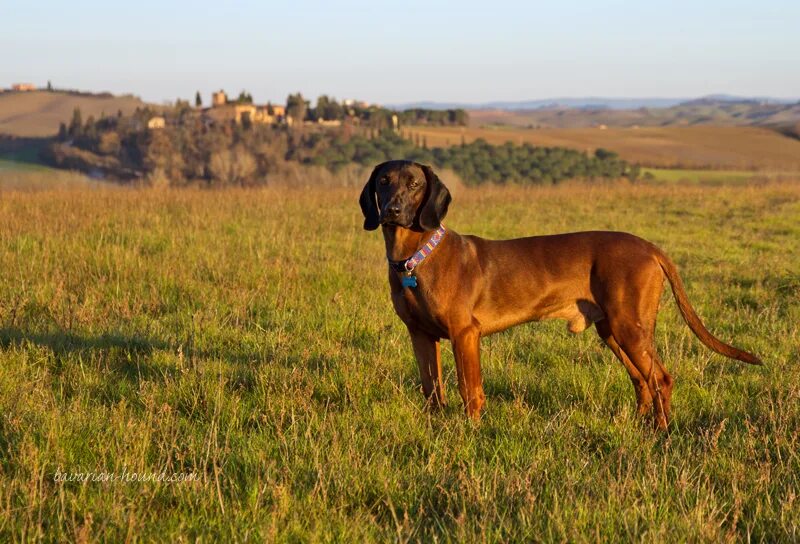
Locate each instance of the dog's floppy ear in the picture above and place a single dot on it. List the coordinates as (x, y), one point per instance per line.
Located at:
(437, 200)
(369, 202)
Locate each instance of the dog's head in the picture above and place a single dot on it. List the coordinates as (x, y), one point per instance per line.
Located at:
(405, 194)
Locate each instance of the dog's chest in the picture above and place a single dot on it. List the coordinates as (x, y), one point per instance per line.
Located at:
(415, 305)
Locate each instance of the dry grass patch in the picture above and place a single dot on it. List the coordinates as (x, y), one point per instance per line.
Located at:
(732, 148)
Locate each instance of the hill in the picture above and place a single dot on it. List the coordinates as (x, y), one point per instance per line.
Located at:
(591, 102)
(736, 148)
(38, 113)
(559, 102)
(704, 111)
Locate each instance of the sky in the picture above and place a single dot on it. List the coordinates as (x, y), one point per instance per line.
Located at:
(396, 52)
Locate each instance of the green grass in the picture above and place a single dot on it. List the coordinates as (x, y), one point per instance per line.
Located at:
(12, 163)
(19, 174)
(22, 169)
(248, 337)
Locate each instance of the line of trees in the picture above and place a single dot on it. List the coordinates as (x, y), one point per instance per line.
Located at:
(329, 109)
(476, 162)
(420, 116)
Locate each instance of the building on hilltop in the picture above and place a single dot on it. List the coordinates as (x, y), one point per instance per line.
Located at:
(219, 98)
(23, 87)
(156, 122)
(352, 103)
(245, 113)
(223, 111)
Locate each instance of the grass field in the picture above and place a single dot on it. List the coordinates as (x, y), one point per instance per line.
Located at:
(22, 169)
(29, 176)
(714, 147)
(10, 164)
(713, 177)
(247, 337)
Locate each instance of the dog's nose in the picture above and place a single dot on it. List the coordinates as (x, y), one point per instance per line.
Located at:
(392, 210)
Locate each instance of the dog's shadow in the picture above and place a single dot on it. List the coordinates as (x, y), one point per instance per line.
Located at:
(63, 343)
(129, 357)
(125, 356)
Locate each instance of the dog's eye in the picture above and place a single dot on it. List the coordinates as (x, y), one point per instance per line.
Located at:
(413, 184)
(384, 181)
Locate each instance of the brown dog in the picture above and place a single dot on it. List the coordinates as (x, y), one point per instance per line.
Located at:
(468, 287)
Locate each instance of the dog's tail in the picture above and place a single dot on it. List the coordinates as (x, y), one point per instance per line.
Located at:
(691, 318)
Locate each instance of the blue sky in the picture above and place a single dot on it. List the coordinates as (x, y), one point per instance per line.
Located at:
(406, 51)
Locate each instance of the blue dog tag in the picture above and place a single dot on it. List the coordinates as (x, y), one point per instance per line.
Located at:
(409, 281)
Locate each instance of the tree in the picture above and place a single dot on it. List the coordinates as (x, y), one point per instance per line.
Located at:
(160, 153)
(198, 100)
(76, 125)
(232, 167)
(461, 117)
(332, 110)
(49, 85)
(328, 109)
(601, 153)
(296, 107)
(90, 131)
(183, 110)
(244, 98)
(62, 133)
(109, 143)
(319, 112)
(247, 122)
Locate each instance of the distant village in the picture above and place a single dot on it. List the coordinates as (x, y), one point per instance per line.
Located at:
(243, 111)
(240, 110)
(20, 87)
(297, 110)
(222, 109)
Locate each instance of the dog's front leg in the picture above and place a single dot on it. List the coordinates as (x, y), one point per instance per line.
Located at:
(466, 348)
(429, 360)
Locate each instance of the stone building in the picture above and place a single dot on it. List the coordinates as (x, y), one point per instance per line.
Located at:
(156, 122)
(219, 98)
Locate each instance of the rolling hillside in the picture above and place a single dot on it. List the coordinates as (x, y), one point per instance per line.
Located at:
(704, 111)
(734, 148)
(38, 113)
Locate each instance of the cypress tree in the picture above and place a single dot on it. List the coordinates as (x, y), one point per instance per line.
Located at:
(76, 125)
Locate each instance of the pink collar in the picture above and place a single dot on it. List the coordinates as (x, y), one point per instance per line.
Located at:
(411, 263)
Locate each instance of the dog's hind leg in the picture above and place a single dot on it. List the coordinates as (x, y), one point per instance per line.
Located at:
(637, 343)
(665, 383)
(429, 360)
(644, 400)
(630, 304)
